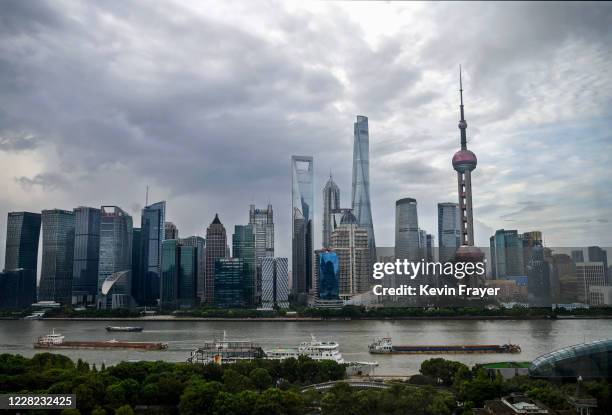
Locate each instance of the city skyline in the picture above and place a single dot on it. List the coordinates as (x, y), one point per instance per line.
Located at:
(554, 117)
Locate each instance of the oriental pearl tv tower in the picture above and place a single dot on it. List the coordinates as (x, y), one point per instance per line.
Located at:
(464, 162)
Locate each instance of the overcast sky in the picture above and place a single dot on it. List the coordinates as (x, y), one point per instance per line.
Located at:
(206, 103)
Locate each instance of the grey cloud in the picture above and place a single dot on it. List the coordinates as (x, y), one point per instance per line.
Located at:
(11, 142)
(47, 181)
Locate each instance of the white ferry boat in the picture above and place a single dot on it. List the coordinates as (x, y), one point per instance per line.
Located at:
(315, 349)
(52, 339)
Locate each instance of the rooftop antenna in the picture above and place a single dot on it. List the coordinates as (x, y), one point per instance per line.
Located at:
(147, 197)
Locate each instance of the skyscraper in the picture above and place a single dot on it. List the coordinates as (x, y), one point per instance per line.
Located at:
(243, 246)
(153, 232)
(302, 208)
(18, 281)
(449, 234)
(199, 243)
(262, 222)
(331, 203)
(350, 242)
(329, 276)
(407, 230)
(22, 233)
(275, 283)
(179, 274)
(170, 231)
(115, 266)
(361, 181)
(57, 256)
(464, 162)
(231, 283)
(86, 255)
(506, 254)
(216, 241)
(137, 272)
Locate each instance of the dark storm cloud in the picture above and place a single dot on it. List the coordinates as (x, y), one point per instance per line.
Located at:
(207, 110)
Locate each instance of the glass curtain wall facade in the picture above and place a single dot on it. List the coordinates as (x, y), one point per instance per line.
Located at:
(115, 266)
(329, 276)
(302, 207)
(231, 282)
(22, 233)
(86, 255)
(200, 244)
(506, 254)
(57, 256)
(243, 246)
(361, 181)
(153, 232)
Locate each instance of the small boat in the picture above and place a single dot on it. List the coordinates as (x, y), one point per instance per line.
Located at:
(130, 329)
(384, 345)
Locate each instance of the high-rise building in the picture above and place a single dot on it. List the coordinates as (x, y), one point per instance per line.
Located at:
(361, 206)
(18, 281)
(262, 222)
(199, 243)
(179, 275)
(596, 254)
(407, 230)
(275, 283)
(216, 241)
(57, 256)
(350, 242)
(506, 254)
(331, 203)
(464, 162)
(137, 276)
(170, 231)
(86, 255)
(302, 208)
(231, 283)
(115, 266)
(17, 288)
(449, 233)
(22, 233)
(243, 246)
(153, 231)
(329, 276)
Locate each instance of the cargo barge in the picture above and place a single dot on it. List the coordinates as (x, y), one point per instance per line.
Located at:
(56, 341)
(384, 345)
(128, 329)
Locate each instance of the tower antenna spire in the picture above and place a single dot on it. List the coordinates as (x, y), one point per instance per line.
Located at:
(147, 197)
(462, 122)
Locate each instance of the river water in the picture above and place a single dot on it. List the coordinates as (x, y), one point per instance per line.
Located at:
(535, 337)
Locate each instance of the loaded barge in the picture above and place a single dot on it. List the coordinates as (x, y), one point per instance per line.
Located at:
(56, 341)
(384, 345)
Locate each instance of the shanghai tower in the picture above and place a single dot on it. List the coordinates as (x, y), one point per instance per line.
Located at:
(464, 162)
(361, 181)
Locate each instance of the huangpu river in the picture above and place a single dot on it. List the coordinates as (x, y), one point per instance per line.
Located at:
(535, 337)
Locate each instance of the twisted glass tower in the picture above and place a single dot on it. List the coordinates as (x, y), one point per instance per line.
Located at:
(361, 181)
